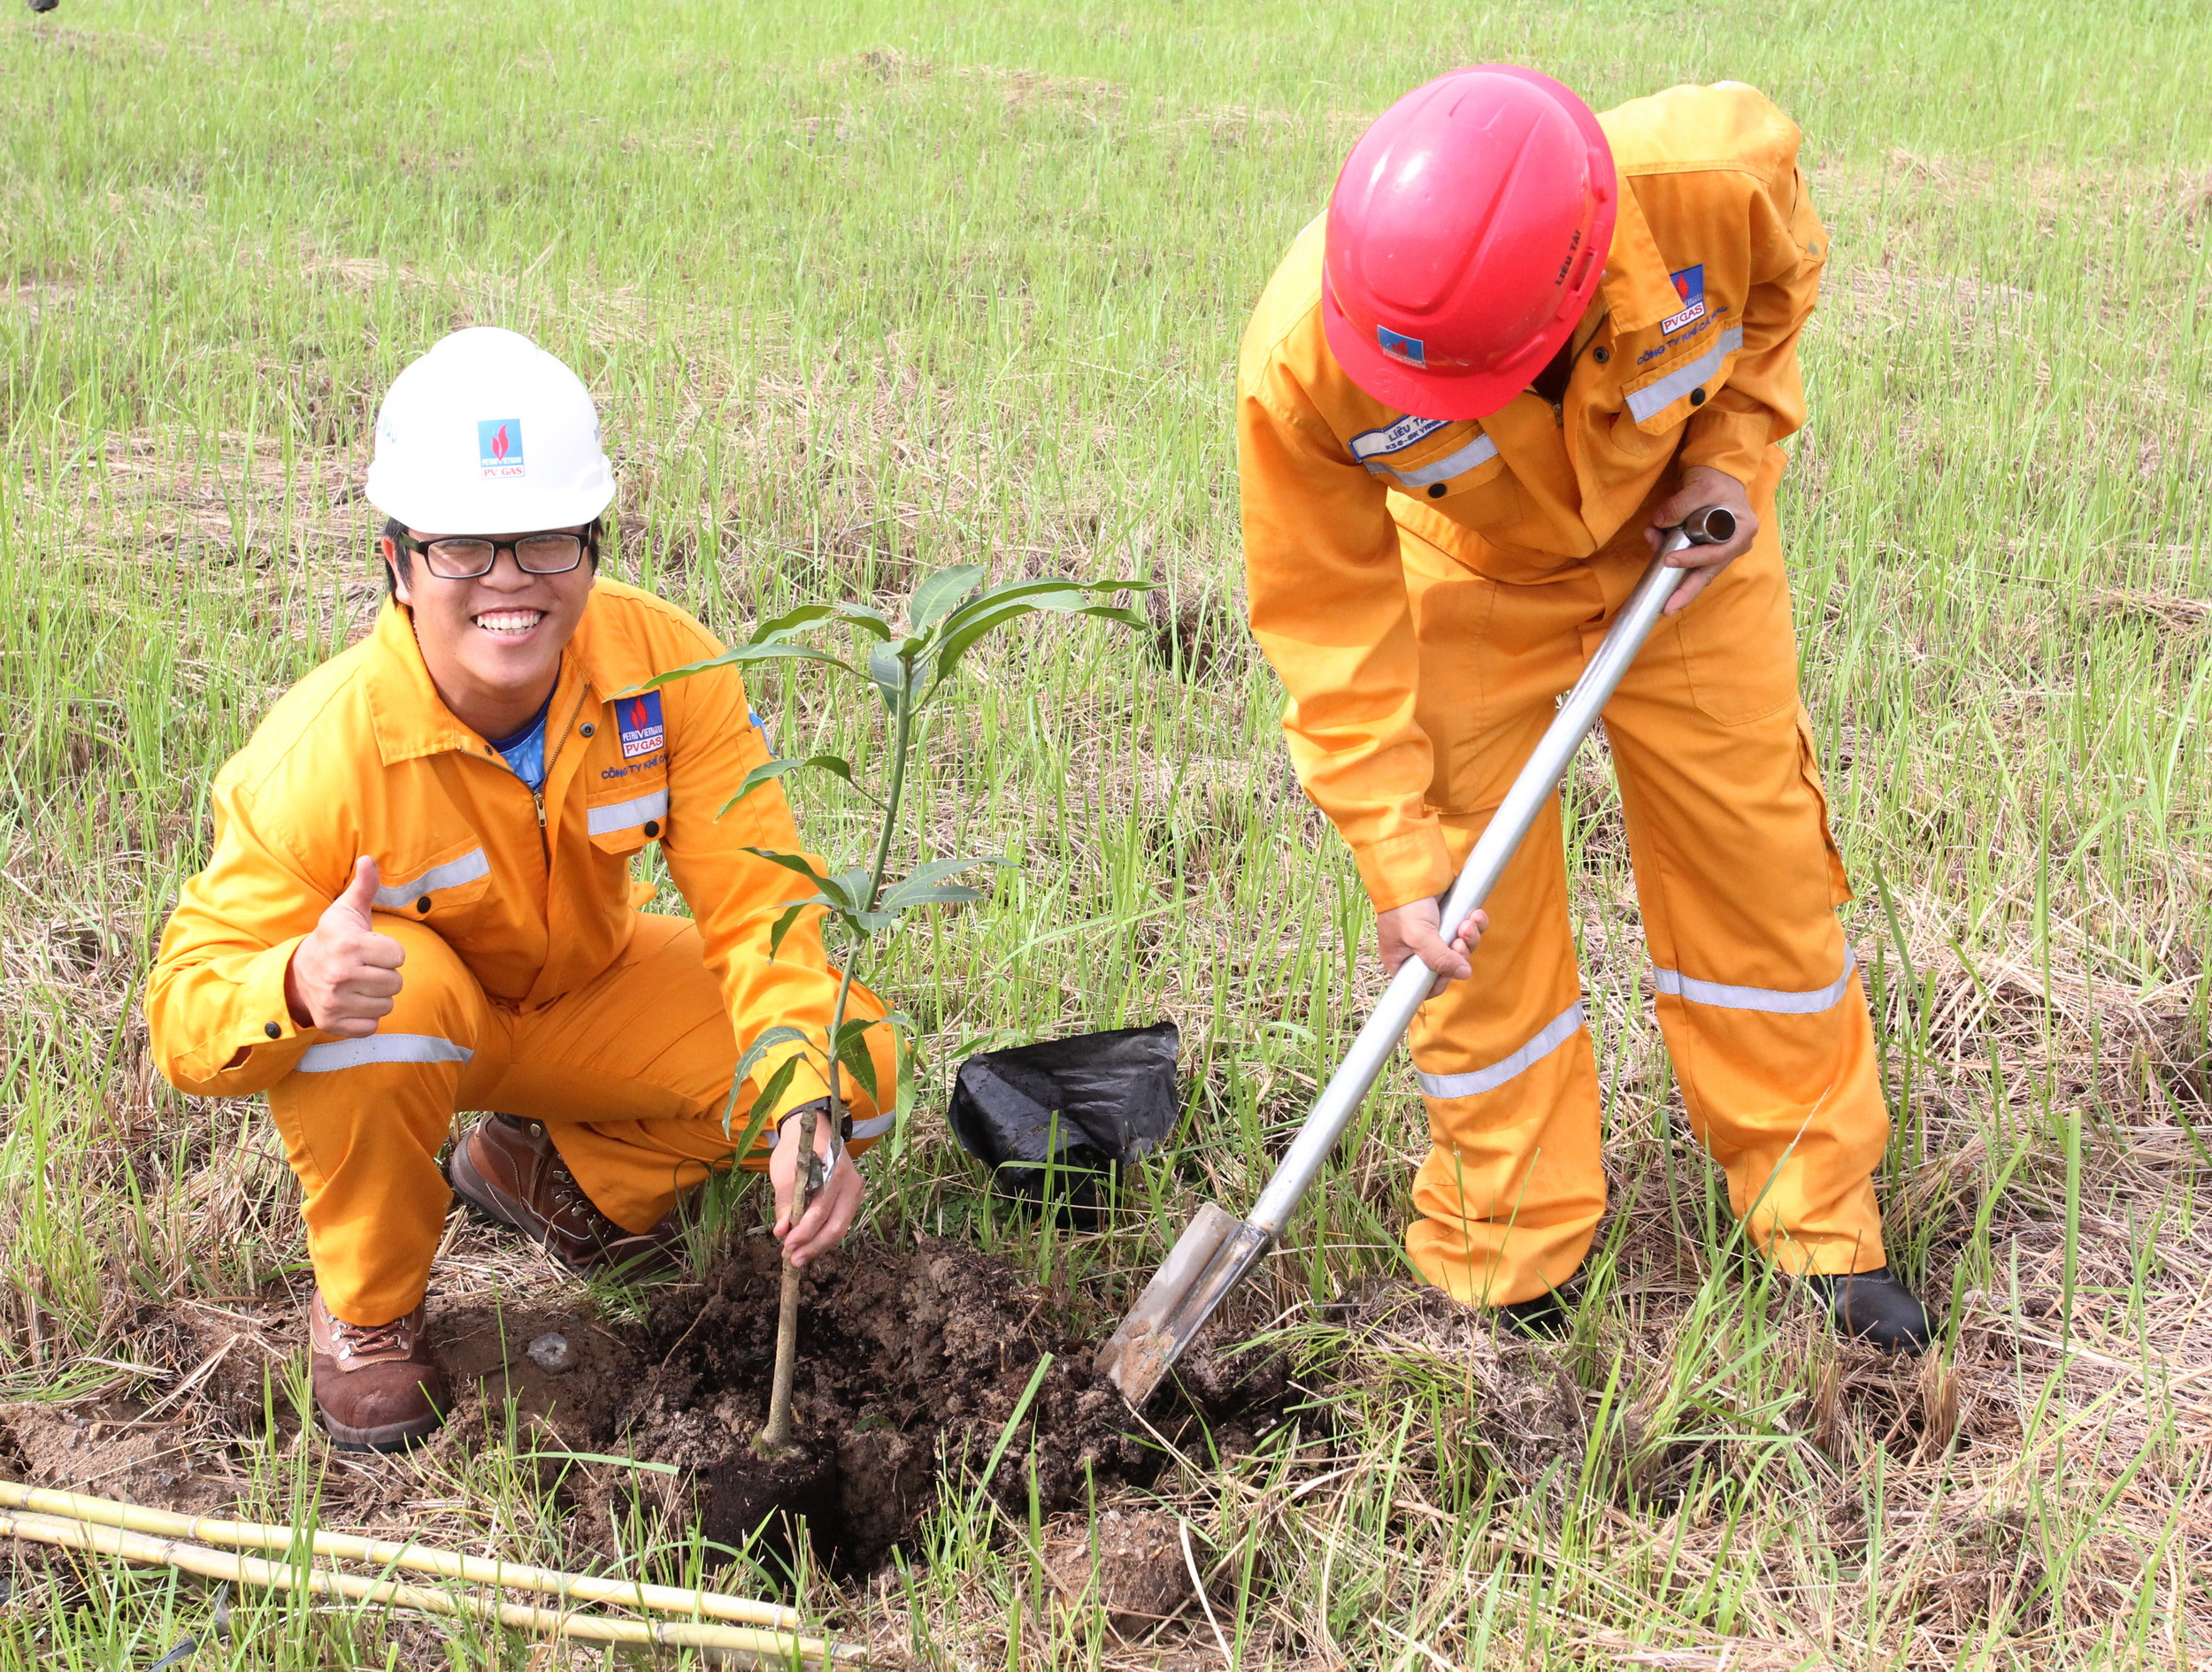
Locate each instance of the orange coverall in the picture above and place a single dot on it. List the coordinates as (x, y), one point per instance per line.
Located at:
(1427, 589)
(534, 986)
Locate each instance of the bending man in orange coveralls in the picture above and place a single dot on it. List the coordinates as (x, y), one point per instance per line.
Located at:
(1524, 339)
(420, 898)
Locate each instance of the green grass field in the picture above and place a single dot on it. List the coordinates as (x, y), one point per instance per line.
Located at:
(863, 289)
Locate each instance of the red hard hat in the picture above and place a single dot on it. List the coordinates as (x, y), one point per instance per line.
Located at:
(1466, 236)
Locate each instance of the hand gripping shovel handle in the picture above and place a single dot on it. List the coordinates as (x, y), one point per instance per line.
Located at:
(1215, 1250)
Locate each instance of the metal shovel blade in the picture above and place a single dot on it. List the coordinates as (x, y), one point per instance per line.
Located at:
(1208, 1259)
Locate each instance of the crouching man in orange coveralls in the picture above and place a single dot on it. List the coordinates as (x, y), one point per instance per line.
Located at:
(420, 898)
(1523, 340)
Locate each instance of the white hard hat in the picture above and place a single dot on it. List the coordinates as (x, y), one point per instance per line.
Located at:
(488, 434)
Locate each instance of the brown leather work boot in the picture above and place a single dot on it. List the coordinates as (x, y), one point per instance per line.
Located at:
(508, 1170)
(380, 1388)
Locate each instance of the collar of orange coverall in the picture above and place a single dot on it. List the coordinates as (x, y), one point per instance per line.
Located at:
(411, 719)
(1637, 291)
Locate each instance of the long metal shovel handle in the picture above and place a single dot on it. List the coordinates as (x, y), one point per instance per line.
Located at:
(1216, 1252)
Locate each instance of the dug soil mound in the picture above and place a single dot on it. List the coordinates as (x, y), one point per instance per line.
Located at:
(912, 1363)
(913, 1360)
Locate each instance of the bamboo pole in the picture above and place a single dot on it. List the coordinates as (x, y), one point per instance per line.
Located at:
(219, 1564)
(246, 1535)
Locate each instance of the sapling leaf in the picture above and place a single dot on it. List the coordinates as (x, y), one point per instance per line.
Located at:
(1061, 599)
(852, 1051)
(804, 866)
(768, 771)
(783, 927)
(952, 868)
(957, 644)
(873, 622)
(1013, 591)
(741, 654)
(779, 1082)
(892, 677)
(1115, 612)
(909, 1074)
(906, 896)
(790, 621)
(927, 886)
(941, 595)
(767, 1040)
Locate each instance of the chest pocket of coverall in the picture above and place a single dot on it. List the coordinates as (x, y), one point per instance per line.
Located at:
(619, 829)
(1454, 468)
(1659, 399)
(441, 888)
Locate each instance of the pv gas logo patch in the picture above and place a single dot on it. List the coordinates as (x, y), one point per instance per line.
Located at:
(1689, 284)
(499, 446)
(1412, 350)
(637, 720)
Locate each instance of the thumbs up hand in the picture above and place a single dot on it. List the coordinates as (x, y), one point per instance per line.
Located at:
(345, 975)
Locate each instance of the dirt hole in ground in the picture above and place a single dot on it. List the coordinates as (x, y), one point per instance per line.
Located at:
(913, 1360)
(912, 1357)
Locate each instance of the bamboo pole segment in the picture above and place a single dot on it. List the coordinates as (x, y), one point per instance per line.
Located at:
(245, 1535)
(220, 1564)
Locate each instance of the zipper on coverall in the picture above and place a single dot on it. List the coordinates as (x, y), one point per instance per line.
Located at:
(1559, 407)
(537, 795)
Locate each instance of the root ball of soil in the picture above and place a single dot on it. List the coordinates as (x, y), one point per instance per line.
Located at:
(749, 1495)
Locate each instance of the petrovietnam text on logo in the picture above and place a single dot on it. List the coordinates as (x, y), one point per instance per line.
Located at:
(499, 446)
(638, 720)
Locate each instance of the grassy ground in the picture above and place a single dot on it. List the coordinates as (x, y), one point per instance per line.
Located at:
(863, 289)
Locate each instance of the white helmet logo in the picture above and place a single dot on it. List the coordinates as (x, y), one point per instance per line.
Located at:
(499, 447)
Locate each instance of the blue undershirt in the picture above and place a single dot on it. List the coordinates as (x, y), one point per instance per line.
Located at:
(525, 751)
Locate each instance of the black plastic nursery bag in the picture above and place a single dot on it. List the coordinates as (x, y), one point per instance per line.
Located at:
(1065, 1116)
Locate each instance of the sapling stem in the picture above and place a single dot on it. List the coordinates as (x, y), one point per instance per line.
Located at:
(775, 1435)
(945, 618)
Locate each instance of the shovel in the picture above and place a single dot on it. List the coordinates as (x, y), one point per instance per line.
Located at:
(1217, 1249)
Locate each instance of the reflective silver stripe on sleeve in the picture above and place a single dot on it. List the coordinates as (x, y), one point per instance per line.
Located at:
(1481, 450)
(875, 1127)
(380, 1047)
(1644, 402)
(622, 815)
(1775, 1001)
(452, 874)
(1553, 1034)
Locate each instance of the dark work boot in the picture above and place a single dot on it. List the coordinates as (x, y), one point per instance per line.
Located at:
(1876, 1308)
(379, 1387)
(1544, 1315)
(508, 1170)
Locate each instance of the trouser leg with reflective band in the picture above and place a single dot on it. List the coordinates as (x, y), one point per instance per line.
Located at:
(363, 1121)
(630, 1073)
(1765, 1022)
(1512, 1188)
(1765, 1013)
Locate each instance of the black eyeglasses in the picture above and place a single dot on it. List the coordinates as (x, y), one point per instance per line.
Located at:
(464, 557)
